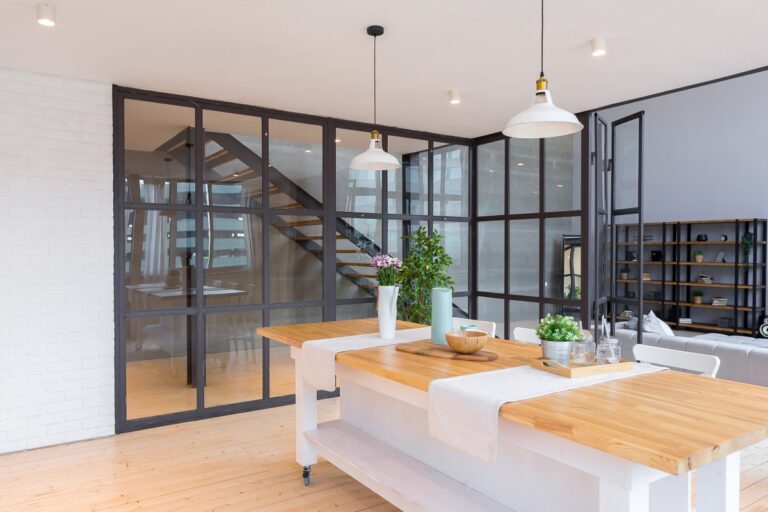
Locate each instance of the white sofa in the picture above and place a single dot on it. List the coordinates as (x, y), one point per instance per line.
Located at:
(741, 358)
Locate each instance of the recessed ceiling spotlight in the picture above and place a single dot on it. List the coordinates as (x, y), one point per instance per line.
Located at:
(559, 185)
(46, 14)
(337, 141)
(454, 96)
(307, 150)
(599, 46)
(520, 164)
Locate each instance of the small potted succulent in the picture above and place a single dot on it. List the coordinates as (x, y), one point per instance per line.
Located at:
(624, 272)
(698, 256)
(697, 296)
(557, 334)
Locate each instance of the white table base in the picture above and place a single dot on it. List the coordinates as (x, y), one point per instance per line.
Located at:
(536, 471)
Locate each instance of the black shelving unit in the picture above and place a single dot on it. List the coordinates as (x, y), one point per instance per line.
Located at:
(740, 278)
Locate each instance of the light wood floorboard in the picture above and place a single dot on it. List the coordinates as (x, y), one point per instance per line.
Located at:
(233, 463)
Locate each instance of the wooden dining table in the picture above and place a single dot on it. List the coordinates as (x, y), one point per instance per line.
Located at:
(624, 445)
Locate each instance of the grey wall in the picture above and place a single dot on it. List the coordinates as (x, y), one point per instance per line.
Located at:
(706, 150)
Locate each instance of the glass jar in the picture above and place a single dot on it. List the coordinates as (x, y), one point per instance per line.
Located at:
(608, 351)
(584, 352)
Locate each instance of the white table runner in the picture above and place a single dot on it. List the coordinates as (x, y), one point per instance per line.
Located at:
(464, 411)
(318, 357)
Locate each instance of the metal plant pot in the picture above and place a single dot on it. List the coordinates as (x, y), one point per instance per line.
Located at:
(558, 351)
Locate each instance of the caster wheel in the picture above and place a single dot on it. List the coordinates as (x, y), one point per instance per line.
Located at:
(306, 475)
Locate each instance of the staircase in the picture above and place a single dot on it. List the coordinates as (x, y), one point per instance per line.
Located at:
(354, 250)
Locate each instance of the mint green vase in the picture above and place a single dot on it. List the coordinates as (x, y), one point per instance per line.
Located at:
(442, 314)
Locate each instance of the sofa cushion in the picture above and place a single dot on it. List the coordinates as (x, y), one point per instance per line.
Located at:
(652, 323)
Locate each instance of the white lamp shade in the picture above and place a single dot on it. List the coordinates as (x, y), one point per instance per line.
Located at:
(374, 159)
(542, 120)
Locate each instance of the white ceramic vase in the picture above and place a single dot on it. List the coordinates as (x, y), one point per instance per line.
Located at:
(387, 308)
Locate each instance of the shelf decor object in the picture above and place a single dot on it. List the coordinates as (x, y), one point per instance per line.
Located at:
(688, 258)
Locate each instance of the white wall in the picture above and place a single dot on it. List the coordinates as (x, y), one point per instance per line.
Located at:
(706, 151)
(56, 261)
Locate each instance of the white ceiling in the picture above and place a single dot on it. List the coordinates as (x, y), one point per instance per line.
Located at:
(313, 56)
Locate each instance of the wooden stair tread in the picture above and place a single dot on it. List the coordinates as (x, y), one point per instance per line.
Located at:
(299, 223)
(353, 263)
(287, 206)
(315, 237)
(361, 276)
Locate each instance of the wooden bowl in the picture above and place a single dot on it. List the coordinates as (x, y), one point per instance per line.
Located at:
(466, 342)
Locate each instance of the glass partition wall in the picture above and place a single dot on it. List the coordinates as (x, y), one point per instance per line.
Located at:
(235, 217)
(528, 224)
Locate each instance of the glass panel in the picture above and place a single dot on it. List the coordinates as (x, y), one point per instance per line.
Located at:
(490, 256)
(461, 307)
(626, 170)
(159, 153)
(493, 310)
(295, 165)
(233, 358)
(413, 154)
(523, 314)
(233, 267)
(396, 230)
(524, 257)
(281, 375)
(356, 190)
(562, 173)
(490, 178)
(355, 311)
(450, 180)
(557, 309)
(358, 241)
(562, 258)
(159, 370)
(456, 243)
(233, 159)
(295, 258)
(160, 259)
(523, 176)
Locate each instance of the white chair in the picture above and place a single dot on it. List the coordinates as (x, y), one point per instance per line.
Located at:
(704, 364)
(483, 325)
(525, 335)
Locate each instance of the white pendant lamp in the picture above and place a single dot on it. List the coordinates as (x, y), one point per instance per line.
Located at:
(375, 158)
(542, 119)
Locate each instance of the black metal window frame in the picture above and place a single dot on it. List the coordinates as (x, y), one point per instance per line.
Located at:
(541, 216)
(198, 311)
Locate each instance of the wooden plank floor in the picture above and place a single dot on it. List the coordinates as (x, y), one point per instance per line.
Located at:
(234, 463)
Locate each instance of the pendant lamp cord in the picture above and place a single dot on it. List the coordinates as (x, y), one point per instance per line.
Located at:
(542, 38)
(374, 80)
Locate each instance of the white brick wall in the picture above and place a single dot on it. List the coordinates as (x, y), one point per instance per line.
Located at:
(56, 260)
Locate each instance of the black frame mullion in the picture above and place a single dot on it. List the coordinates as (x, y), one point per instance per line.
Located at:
(197, 311)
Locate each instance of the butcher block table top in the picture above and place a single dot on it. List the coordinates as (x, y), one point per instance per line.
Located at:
(671, 421)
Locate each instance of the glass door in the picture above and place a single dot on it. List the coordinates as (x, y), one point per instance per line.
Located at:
(628, 237)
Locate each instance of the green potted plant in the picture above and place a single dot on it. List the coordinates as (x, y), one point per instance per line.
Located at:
(747, 242)
(557, 334)
(624, 272)
(697, 296)
(425, 267)
(698, 256)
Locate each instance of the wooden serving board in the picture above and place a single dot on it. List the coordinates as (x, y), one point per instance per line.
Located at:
(444, 352)
(576, 371)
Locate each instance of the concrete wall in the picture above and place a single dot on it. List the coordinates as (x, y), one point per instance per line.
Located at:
(56, 262)
(705, 150)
